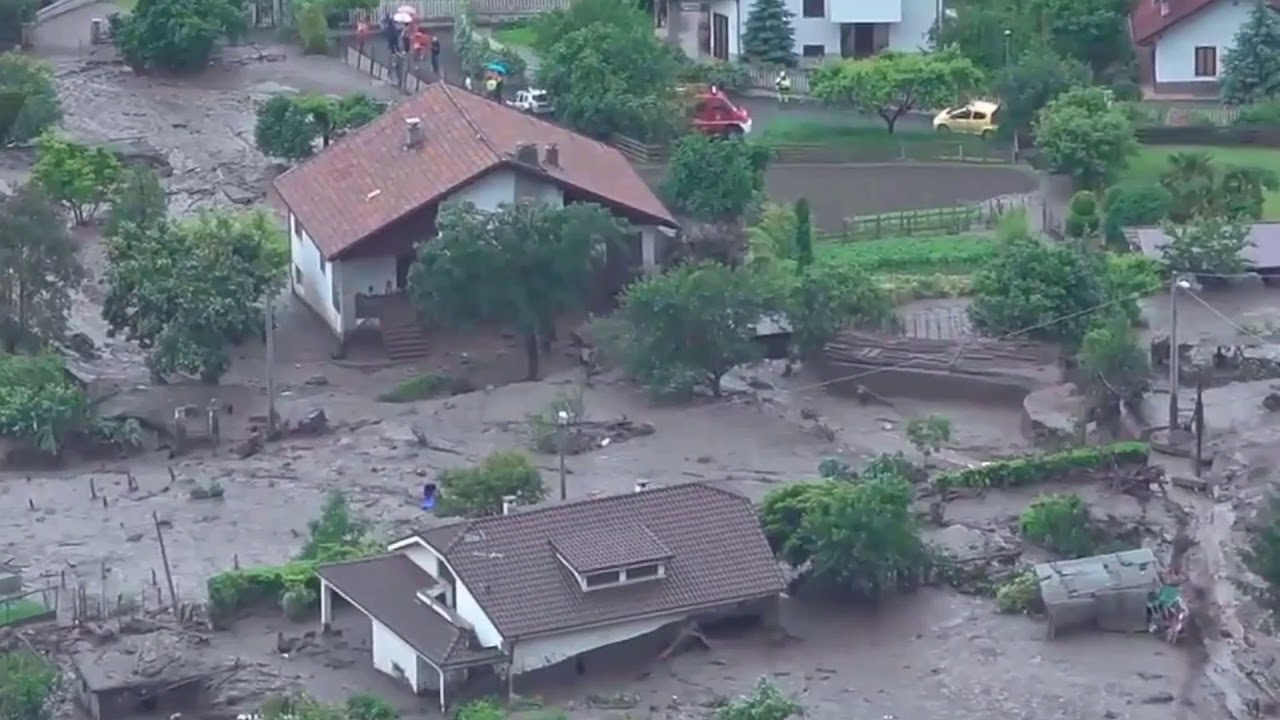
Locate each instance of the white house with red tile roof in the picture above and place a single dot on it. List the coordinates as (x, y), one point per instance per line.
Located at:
(358, 209)
(1181, 43)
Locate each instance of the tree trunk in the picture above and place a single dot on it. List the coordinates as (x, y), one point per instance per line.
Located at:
(546, 333)
(532, 356)
(714, 382)
(892, 120)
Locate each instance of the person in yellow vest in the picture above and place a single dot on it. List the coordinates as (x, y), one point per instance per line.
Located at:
(783, 85)
(491, 86)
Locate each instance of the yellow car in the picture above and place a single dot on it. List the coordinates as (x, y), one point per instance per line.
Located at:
(976, 118)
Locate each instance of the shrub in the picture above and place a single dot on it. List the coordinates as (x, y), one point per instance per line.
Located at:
(1133, 205)
(426, 387)
(1060, 524)
(765, 702)
(481, 710)
(38, 401)
(1266, 113)
(929, 434)
(546, 424)
(953, 254)
(298, 602)
(1020, 594)
(33, 79)
(234, 591)
(370, 707)
(1082, 215)
(478, 491)
(1262, 555)
(27, 684)
(1024, 471)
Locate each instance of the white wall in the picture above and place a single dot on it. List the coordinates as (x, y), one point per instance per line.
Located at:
(424, 558)
(730, 9)
(389, 649)
(468, 609)
(811, 31)
(362, 276)
(543, 652)
(317, 284)
(1215, 26)
(912, 33)
(908, 22)
(489, 191)
(864, 11)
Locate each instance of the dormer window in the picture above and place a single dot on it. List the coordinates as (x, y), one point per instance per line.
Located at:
(610, 557)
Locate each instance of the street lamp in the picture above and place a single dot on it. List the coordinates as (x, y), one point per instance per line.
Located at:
(1180, 283)
(562, 425)
(1007, 35)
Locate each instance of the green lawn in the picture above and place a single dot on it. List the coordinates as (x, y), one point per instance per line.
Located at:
(1151, 160)
(784, 130)
(519, 34)
(13, 611)
(950, 255)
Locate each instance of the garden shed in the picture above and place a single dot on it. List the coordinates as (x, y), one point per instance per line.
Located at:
(1110, 592)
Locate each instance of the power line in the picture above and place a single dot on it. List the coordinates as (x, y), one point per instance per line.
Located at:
(1222, 316)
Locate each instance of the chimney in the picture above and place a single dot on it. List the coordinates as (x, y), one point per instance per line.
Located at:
(552, 157)
(642, 485)
(527, 153)
(413, 132)
(508, 504)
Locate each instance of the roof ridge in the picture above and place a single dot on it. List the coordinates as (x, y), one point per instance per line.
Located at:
(605, 498)
(466, 117)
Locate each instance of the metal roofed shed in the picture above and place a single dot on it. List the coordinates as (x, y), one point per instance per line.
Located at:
(1110, 592)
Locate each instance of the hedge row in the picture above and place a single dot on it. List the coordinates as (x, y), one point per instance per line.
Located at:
(237, 590)
(1033, 470)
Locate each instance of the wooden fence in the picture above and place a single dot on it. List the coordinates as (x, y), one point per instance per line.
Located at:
(408, 82)
(641, 152)
(450, 9)
(934, 221)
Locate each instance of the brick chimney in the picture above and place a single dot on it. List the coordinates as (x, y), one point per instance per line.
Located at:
(413, 132)
(508, 504)
(642, 485)
(552, 156)
(527, 153)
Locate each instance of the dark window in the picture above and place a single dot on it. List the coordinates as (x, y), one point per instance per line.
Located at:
(962, 115)
(602, 579)
(815, 8)
(979, 115)
(297, 275)
(814, 51)
(1206, 61)
(642, 572)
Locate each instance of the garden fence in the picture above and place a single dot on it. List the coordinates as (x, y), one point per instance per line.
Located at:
(936, 221)
(641, 152)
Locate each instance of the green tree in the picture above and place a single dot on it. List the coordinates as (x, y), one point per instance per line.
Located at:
(176, 35)
(1083, 134)
(81, 177)
(1083, 220)
(39, 270)
(337, 534)
(27, 685)
(783, 512)
(1094, 32)
(1060, 524)
(1114, 369)
(1133, 205)
(479, 490)
(893, 84)
(313, 26)
(1208, 245)
(929, 434)
(481, 710)
(335, 116)
(1251, 69)
(1026, 86)
(284, 129)
(765, 702)
(1261, 555)
(997, 33)
(32, 80)
(804, 236)
(1198, 187)
(1045, 289)
(138, 200)
(520, 265)
(38, 403)
(829, 296)
(768, 36)
(713, 179)
(607, 71)
(689, 326)
(185, 291)
(370, 707)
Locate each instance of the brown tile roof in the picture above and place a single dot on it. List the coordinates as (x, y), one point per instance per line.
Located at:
(1147, 20)
(369, 179)
(386, 587)
(717, 554)
(606, 547)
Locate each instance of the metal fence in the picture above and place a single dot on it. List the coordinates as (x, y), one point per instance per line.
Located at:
(450, 9)
(936, 324)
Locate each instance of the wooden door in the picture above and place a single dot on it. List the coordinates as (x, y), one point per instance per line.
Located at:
(720, 36)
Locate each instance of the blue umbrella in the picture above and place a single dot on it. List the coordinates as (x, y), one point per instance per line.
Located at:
(496, 67)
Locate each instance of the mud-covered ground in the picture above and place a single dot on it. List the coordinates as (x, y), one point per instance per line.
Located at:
(936, 655)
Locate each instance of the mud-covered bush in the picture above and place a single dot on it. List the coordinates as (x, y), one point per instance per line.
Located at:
(765, 702)
(1062, 525)
(299, 602)
(479, 490)
(1020, 594)
(234, 591)
(1262, 555)
(370, 707)
(481, 710)
(1033, 470)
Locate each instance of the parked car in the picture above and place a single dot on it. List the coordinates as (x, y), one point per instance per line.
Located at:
(533, 101)
(713, 113)
(976, 118)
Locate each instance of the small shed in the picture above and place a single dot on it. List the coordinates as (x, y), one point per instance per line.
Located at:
(1110, 592)
(119, 682)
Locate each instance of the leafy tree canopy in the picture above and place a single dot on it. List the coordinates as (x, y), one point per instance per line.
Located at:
(39, 270)
(185, 291)
(1113, 367)
(1083, 134)
(828, 296)
(81, 177)
(38, 403)
(176, 35)
(27, 684)
(893, 84)
(769, 36)
(31, 97)
(520, 265)
(713, 179)
(1050, 287)
(288, 126)
(478, 491)
(689, 326)
(1209, 245)
(1200, 188)
(138, 200)
(337, 534)
(1251, 69)
(1026, 86)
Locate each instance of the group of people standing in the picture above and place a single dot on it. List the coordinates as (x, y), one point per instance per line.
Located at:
(406, 39)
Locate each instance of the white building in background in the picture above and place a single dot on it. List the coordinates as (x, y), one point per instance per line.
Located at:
(823, 28)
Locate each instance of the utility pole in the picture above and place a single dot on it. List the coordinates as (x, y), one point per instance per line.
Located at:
(271, 366)
(562, 422)
(164, 557)
(1179, 283)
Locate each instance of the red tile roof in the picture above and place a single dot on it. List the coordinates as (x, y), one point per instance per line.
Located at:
(716, 554)
(1148, 21)
(370, 178)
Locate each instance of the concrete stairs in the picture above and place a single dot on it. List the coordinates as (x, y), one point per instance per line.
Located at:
(403, 337)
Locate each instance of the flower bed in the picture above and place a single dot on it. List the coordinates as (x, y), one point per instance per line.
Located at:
(1034, 470)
